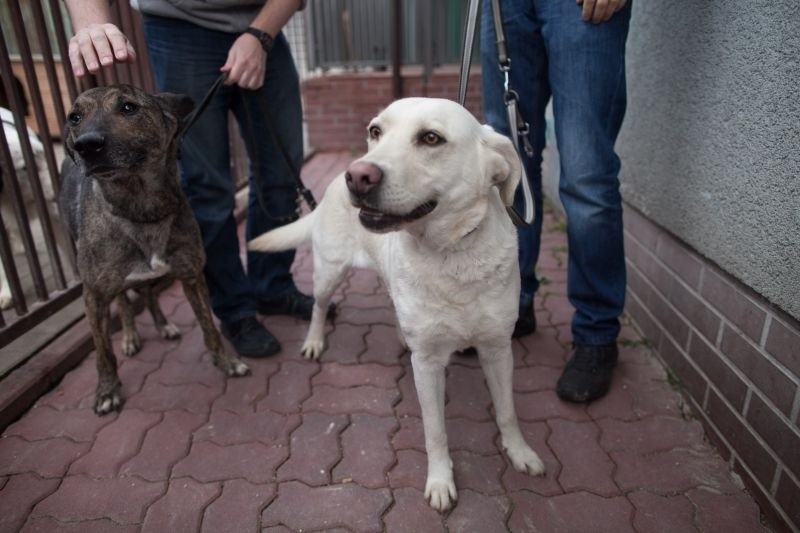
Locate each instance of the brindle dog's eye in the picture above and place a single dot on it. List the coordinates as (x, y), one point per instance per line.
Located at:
(74, 118)
(431, 139)
(374, 132)
(129, 108)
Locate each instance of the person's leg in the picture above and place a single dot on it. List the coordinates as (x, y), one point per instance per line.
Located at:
(272, 113)
(186, 59)
(528, 77)
(587, 77)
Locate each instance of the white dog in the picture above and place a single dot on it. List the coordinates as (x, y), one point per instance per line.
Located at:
(26, 190)
(426, 206)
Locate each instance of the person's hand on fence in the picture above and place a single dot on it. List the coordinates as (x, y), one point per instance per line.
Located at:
(99, 45)
(246, 63)
(599, 11)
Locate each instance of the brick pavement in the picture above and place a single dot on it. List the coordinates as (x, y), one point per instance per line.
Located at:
(338, 446)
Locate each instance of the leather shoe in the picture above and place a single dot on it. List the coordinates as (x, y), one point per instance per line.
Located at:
(587, 375)
(526, 323)
(293, 303)
(249, 338)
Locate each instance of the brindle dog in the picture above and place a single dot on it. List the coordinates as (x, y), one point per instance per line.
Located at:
(132, 224)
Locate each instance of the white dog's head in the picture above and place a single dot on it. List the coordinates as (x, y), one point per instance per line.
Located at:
(431, 167)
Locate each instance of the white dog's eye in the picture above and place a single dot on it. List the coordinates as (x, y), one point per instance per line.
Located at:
(431, 138)
(374, 132)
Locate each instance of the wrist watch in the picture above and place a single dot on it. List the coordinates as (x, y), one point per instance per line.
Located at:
(266, 40)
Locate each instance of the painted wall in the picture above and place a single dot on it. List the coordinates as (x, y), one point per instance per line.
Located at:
(711, 140)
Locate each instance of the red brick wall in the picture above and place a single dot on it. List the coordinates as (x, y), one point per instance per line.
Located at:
(736, 357)
(338, 107)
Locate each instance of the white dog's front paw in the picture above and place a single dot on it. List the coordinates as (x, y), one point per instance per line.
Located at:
(130, 344)
(6, 300)
(524, 459)
(312, 349)
(440, 493)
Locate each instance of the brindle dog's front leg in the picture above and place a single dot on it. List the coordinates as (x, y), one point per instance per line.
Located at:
(107, 396)
(166, 329)
(131, 341)
(197, 294)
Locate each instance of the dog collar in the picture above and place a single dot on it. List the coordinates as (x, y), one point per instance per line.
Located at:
(266, 40)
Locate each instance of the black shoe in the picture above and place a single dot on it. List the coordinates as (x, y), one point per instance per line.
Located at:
(250, 338)
(587, 375)
(293, 303)
(526, 323)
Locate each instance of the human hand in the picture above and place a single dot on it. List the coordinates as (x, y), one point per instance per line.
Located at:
(99, 45)
(600, 10)
(246, 63)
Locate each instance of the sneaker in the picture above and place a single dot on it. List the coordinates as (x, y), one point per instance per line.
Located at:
(293, 303)
(526, 323)
(250, 338)
(587, 375)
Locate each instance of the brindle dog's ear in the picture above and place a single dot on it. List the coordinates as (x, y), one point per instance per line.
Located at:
(177, 105)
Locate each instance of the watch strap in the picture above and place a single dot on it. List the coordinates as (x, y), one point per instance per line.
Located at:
(266, 40)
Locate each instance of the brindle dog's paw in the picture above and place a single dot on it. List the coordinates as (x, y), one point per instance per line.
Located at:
(105, 402)
(169, 331)
(233, 367)
(131, 344)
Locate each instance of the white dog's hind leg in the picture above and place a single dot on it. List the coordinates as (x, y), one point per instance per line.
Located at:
(498, 365)
(327, 276)
(429, 378)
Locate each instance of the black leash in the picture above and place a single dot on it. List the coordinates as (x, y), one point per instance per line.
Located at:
(302, 191)
(517, 124)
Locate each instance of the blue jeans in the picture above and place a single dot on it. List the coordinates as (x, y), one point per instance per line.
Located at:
(582, 66)
(186, 59)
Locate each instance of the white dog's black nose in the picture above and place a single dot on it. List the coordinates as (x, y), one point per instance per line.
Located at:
(90, 143)
(362, 177)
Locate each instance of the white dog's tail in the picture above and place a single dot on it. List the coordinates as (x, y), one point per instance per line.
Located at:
(285, 237)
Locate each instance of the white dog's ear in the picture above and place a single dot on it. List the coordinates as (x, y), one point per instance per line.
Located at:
(501, 163)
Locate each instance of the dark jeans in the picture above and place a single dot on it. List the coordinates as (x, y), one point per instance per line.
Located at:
(186, 59)
(582, 66)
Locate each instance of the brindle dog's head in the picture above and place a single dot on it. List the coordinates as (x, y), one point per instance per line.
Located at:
(119, 130)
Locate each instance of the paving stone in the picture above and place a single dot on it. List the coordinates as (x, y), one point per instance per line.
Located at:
(115, 444)
(208, 462)
(133, 373)
(345, 376)
(672, 471)
(410, 471)
(662, 514)
(536, 435)
(467, 394)
(412, 514)
(174, 372)
(544, 348)
(657, 399)
(75, 387)
(478, 512)
(383, 345)
(366, 317)
(560, 309)
(585, 465)
(121, 500)
(47, 458)
(314, 449)
(576, 511)
(80, 425)
(478, 472)
(618, 403)
(345, 343)
(363, 281)
(367, 454)
(226, 428)
(155, 397)
(725, 512)
(409, 403)
(363, 399)
(18, 496)
(544, 405)
(238, 508)
(164, 445)
(652, 434)
(289, 387)
(308, 508)
(46, 524)
(409, 435)
(242, 395)
(536, 378)
(181, 508)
